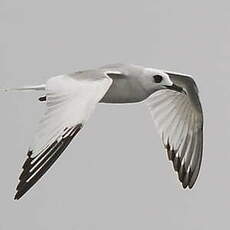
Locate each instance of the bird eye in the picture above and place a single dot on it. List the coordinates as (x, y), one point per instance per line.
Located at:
(157, 78)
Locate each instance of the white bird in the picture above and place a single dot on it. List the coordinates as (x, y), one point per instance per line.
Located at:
(71, 98)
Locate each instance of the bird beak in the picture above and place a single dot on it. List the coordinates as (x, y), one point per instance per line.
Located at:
(176, 88)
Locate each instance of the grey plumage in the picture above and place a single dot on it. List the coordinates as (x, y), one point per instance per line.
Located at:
(179, 118)
(71, 98)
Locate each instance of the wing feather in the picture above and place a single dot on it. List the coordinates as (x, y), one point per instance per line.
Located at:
(179, 119)
(70, 100)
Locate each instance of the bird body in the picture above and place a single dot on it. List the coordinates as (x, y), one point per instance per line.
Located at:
(71, 98)
(131, 83)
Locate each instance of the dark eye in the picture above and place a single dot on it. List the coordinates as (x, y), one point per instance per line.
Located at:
(157, 78)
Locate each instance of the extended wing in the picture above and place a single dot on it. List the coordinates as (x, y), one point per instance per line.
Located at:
(179, 119)
(70, 100)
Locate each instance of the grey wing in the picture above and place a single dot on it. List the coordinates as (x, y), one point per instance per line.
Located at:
(179, 119)
(70, 102)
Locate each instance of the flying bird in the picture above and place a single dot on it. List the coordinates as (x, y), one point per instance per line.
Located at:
(71, 98)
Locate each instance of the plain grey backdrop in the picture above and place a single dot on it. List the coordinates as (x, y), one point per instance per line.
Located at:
(115, 174)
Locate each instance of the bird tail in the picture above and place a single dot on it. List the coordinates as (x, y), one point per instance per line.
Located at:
(26, 88)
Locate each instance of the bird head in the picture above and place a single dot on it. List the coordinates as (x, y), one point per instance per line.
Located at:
(158, 80)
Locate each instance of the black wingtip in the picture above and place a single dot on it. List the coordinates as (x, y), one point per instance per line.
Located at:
(28, 180)
(184, 176)
(190, 186)
(17, 196)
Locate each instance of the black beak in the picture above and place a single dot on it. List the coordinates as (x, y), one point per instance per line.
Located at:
(176, 88)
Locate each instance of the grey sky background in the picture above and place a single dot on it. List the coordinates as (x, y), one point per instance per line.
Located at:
(115, 174)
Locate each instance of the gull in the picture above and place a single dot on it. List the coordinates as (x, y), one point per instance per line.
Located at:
(172, 99)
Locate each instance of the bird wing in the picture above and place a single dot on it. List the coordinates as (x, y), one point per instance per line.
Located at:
(70, 100)
(179, 119)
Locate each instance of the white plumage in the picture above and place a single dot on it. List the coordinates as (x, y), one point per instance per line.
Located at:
(71, 98)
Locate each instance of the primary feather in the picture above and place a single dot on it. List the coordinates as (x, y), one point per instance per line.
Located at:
(179, 119)
(70, 100)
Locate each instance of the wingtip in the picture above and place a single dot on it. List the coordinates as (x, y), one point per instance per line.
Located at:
(24, 184)
(19, 194)
(191, 184)
(187, 183)
(17, 197)
(184, 186)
